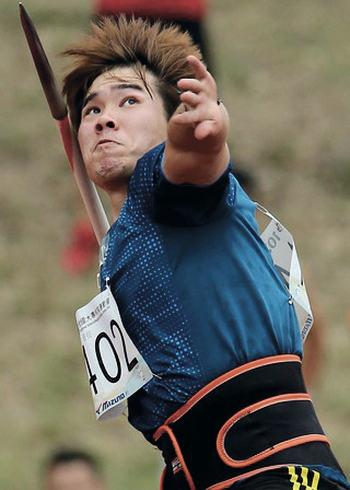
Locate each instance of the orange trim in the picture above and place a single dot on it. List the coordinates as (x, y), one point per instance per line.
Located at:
(295, 441)
(228, 483)
(162, 478)
(179, 455)
(222, 379)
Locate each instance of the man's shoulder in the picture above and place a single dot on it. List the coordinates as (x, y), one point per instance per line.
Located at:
(146, 175)
(150, 160)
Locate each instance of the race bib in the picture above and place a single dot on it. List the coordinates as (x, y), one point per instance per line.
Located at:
(114, 366)
(285, 258)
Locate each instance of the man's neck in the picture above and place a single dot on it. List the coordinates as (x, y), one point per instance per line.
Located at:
(117, 199)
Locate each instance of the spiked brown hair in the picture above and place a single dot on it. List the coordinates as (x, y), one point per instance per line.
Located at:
(129, 42)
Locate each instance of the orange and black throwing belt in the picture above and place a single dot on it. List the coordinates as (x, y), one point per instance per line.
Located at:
(254, 419)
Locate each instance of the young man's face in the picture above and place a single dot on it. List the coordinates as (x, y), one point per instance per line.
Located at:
(120, 122)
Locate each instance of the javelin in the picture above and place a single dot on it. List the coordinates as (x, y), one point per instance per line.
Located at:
(59, 112)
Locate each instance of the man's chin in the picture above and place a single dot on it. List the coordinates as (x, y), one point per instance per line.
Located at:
(111, 174)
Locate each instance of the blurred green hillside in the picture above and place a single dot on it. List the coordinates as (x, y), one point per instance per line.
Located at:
(284, 74)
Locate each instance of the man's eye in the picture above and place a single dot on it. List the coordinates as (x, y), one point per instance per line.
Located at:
(92, 110)
(129, 101)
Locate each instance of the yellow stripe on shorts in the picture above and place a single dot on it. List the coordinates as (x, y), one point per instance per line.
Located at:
(305, 473)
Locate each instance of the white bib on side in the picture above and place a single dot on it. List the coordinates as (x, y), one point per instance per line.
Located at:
(114, 366)
(285, 258)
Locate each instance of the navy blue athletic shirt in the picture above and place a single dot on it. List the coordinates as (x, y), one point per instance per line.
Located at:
(196, 287)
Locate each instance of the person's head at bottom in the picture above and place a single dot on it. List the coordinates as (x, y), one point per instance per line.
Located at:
(72, 470)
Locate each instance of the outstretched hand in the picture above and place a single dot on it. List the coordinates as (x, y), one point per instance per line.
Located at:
(196, 149)
(199, 98)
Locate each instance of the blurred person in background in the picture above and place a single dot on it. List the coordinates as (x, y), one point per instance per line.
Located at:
(189, 15)
(196, 286)
(70, 469)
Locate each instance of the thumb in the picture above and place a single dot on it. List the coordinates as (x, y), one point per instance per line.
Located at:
(204, 129)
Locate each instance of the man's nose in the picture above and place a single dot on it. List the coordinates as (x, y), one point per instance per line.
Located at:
(106, 122)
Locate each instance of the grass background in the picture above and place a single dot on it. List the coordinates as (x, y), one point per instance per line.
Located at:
(283, 71)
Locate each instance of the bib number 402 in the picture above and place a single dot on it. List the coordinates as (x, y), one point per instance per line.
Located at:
(115, 368)
(103, 343)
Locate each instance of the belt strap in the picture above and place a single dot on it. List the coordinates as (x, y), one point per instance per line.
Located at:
(253, 418)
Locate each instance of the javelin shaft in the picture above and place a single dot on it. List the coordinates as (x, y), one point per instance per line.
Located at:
(87, 189)
(59, 112)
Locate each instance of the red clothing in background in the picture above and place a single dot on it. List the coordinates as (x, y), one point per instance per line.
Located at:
(164, 9)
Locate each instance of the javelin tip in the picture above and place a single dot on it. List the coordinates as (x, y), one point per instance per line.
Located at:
(47, 79)
(59, 112)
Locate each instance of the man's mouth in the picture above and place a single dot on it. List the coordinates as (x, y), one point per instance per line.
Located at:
(105, 141)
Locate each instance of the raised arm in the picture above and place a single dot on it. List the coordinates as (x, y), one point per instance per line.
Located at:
(196, 151)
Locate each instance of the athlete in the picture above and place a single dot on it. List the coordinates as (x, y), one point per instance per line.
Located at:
(196, 287)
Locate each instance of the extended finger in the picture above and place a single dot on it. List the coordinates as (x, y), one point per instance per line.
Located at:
(186, 117)
(199, 67)
(189, 84)
(193, 115)
(190, 98)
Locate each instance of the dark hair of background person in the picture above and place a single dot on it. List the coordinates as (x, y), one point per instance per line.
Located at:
(63, 456)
